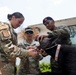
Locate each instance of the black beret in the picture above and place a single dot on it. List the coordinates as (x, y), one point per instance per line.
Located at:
(47, 18)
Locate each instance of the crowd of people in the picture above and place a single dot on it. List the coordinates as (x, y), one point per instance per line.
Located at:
(27, 49)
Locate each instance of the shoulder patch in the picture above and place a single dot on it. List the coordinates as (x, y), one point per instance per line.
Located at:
(4, 31)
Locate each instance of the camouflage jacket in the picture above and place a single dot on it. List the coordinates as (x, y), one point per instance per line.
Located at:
(29, 64)
(61, 35)
(8, 38)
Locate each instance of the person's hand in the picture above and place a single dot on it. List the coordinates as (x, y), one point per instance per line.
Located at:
(32, 52)
(40, 37)
(41, 51)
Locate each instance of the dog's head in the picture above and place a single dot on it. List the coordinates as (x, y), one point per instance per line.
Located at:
(46, 43)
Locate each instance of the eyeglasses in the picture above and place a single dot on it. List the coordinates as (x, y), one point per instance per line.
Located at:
(29, 32)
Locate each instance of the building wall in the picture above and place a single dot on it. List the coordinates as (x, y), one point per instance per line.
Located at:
(68, 21)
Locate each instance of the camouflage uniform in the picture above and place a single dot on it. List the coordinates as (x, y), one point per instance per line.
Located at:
(8, 38)
(60, 36)
(29, 65)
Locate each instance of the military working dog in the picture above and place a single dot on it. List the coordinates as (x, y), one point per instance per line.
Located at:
(64, 55)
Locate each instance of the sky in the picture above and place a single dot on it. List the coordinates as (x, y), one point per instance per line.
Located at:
(35, 10)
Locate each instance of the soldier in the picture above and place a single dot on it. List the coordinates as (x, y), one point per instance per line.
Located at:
(29, 65)
(8, 44)
(59, 35)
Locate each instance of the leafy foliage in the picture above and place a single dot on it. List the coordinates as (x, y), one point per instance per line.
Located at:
(45, 67)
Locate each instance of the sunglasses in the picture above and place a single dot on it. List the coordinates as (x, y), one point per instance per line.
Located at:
(29, 32)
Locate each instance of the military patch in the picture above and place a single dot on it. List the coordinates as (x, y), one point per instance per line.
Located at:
(4, 31)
